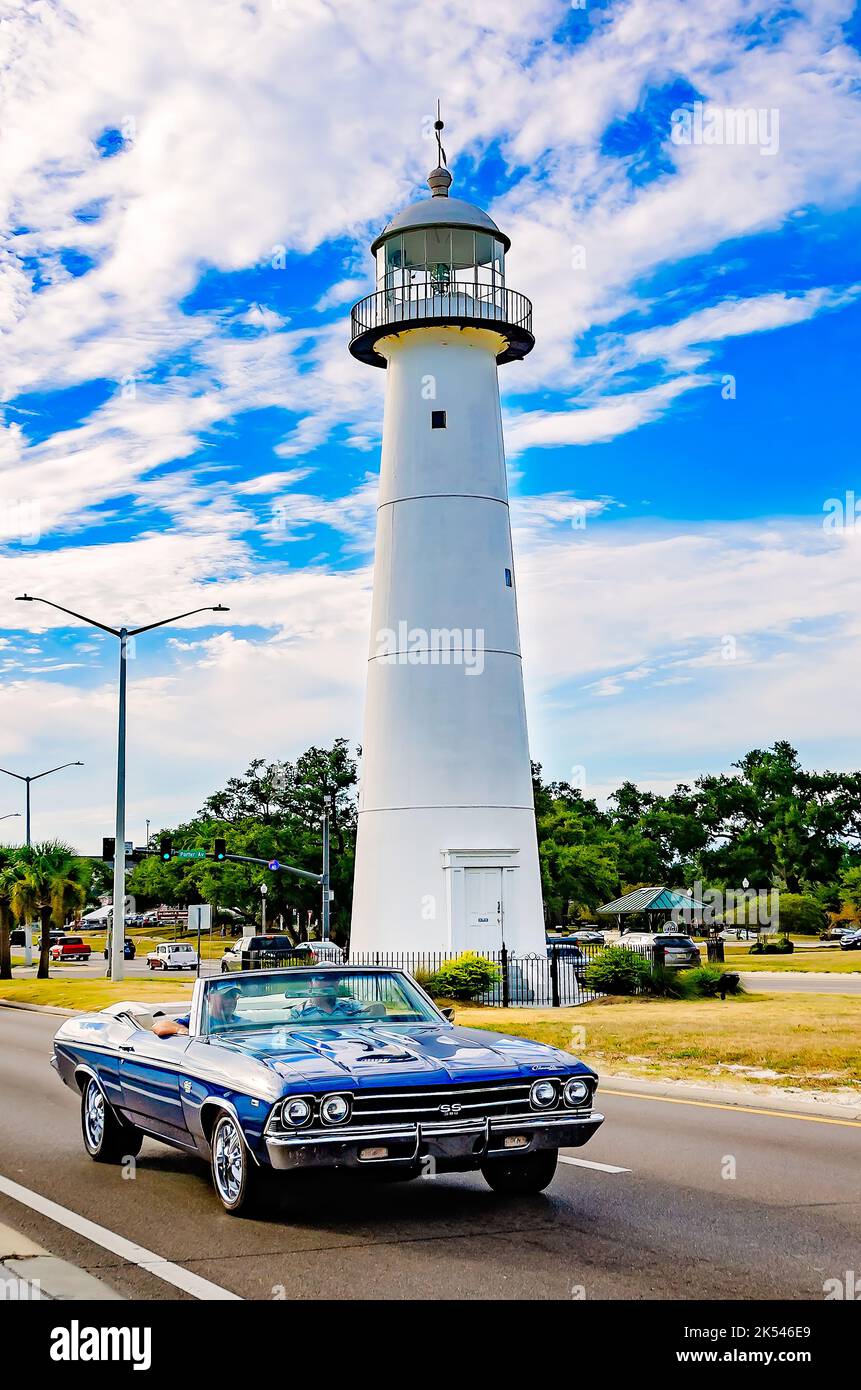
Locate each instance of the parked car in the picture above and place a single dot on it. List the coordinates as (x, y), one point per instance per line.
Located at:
(55, 936)
(279, 949)
(851, 941)
(332, 1067)
(587, 936)
(836, 933)
(172, 955)
(680, 952)
(17, 937)
(129, 949)
(570, 955)
(738, 933)
(70, 948)
(327, 952)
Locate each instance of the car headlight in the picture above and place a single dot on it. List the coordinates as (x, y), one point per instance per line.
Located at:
(542, 1095)
(576, 1092)
(295, 1112)
(334, 1110)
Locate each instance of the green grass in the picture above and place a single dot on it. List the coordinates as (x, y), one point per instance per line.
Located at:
(829, 959)
(87, 994)
(808, 1040)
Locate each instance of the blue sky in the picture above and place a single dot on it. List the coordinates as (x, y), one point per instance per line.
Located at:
(188, 201)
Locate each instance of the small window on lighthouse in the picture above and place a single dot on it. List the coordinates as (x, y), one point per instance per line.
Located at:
(437, 419)
(508, 579)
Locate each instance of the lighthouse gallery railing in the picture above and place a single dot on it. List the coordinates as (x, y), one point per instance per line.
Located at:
(424, 302)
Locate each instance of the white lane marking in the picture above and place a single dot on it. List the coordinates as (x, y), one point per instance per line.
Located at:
(586, 1163)
(118, 1245)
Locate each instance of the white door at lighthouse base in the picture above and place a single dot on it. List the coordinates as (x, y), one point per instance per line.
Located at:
(483, 903)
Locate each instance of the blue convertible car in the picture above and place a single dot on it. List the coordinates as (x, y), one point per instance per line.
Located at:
(332, 1067)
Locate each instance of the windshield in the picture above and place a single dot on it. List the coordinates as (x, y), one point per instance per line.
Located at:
(312, 998)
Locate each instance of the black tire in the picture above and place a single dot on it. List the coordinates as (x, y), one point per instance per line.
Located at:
(235, 1175)
(107, 1138)
(523, 1176)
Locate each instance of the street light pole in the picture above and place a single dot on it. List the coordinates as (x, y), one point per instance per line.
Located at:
(118, 932)
(324, 919)
(33, 777)
(116, 959)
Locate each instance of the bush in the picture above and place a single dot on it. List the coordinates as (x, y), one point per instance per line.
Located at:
(668, 984)
(704, 982)
(618, 970)
(779, 946)
(465, 978)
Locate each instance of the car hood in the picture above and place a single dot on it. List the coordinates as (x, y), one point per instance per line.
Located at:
(375, 1054)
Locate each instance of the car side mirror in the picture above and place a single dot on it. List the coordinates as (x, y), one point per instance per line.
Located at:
(448, 1013)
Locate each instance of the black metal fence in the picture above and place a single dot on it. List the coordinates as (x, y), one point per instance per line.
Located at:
(554, 980)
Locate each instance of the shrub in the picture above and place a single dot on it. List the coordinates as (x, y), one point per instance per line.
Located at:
(776, 946)
(668, 984)
(465, 978)
(618, 970)
(704, 982)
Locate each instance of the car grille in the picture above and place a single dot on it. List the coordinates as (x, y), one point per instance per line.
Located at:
(424, 1105)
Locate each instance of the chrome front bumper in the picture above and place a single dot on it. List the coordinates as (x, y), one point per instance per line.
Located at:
(459, 1143)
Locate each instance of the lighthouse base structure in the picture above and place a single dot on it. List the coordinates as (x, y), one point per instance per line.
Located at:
(450, 888)
(446, 854)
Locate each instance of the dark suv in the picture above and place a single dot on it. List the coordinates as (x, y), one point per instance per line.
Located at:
(679, 951)
(269, 950)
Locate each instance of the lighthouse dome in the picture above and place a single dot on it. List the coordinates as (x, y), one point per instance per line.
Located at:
(440, 211)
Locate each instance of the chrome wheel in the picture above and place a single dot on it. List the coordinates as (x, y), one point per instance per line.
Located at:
(228, 1161)
(94, 1116)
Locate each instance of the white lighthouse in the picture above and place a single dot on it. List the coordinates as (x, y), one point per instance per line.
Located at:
(447, 856)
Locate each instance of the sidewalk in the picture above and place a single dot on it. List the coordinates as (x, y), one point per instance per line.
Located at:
(30, 1273)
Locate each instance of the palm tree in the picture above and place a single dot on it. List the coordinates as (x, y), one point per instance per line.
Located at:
(50, 883)
(7, 878)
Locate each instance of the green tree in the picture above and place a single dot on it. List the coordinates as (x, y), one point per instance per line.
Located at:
(850, 883)
(7, 880)
(51, 881)
(273, 811)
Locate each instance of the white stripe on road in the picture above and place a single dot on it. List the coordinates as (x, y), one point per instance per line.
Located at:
(118, 1245)
(586, 1163)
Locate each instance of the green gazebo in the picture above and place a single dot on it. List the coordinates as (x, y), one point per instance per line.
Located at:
(654, 905)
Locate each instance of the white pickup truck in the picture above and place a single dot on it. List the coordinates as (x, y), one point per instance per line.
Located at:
(172, 955)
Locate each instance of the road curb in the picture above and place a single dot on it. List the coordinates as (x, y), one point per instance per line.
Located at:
(720, 1095)
(38, 1008)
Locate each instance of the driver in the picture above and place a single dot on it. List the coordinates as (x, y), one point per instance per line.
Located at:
(222, 1008)
(324, 1003)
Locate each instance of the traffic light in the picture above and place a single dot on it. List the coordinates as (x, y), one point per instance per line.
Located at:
(220, 850)
(165, 848)
(109, 847)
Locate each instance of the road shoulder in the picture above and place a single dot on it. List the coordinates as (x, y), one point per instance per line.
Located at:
(787, 1100)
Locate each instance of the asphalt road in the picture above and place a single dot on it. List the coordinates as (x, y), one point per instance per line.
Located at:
(672, 1227)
